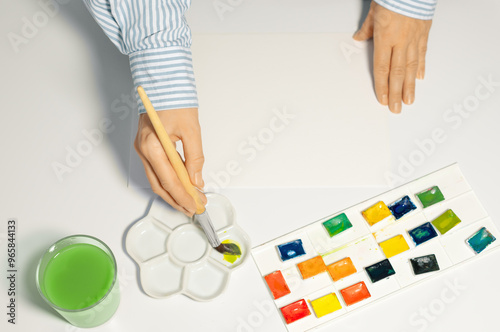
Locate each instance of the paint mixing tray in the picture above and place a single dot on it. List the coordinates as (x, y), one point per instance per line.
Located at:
(375, 249)
(173, 253)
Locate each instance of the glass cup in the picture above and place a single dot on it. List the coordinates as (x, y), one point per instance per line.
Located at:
(77, 277)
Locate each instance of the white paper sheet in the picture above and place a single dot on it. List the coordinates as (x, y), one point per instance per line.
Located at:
(277, 16)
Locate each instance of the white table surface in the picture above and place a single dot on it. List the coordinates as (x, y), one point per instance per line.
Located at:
(68, 78)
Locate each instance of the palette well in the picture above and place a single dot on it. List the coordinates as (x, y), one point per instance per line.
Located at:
(376, 213)
(277, 284)
(326, 305)
(480, 240)
(355, 293)
(311, 267)
(422, 233)
(430, 196)
(394, 246)
(295, 311)
(375, 249)
(424, 264)
(380, 270)
(291, 250)
(337, 224)
(446, 221)
(401, 207)
(341, 269)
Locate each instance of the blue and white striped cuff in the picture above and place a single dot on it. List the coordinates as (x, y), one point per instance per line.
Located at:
(419, 9)
(166, 74)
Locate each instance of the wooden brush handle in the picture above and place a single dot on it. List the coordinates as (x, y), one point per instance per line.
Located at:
(168, 146)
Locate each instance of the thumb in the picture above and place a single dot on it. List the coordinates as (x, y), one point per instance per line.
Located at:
(366, 31)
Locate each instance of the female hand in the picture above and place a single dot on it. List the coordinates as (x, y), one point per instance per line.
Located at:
(181, 125)
(400, 45)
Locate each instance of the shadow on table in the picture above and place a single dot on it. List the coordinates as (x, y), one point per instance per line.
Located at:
(113, 79)
(369, 47)
(124, 241)
(365, 8)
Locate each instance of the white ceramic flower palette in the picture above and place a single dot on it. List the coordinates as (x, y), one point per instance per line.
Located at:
(356, 256)
(174, 255)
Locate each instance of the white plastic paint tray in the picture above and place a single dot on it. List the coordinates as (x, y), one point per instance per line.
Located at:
(174, 256)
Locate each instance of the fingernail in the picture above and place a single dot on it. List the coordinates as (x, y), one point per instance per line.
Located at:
(420, 75)
(198, 180)
(203, 197)
(384, 100)
(410, 98)
(396, 108)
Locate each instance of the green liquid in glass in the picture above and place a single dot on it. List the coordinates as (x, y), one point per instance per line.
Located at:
(78, 276)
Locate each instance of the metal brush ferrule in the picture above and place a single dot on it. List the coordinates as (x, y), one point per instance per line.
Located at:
(204, 220)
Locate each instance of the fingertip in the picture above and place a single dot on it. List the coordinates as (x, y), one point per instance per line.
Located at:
(384, 100)
(190, 210)
(409, 99)
(197, 180)
(395, 108)
(204, 198)
(360, 36)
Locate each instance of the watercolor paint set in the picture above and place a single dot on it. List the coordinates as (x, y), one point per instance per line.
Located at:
(374, 249)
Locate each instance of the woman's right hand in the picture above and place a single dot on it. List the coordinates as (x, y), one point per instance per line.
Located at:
(181, 125)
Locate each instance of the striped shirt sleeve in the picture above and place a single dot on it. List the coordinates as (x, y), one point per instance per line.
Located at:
(420, 9)
(157, 39)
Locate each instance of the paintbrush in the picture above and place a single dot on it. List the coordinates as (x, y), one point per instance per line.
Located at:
(201, 215)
